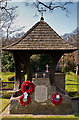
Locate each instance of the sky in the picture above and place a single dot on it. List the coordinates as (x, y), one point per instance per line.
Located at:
(56, 19)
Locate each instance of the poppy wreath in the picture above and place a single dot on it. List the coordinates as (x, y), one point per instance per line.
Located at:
(28, 87)
(56, 98)
(23, 103)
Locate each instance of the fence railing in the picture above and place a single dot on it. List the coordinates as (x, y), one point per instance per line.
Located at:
(7, 85)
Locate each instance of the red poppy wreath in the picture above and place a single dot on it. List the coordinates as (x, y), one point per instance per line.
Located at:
(56, 98)
(24, 101)
(28, 87)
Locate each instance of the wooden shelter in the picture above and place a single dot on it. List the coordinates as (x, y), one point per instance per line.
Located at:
(41, 38)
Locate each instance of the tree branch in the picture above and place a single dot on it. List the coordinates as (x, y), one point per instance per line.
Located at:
(52, 6)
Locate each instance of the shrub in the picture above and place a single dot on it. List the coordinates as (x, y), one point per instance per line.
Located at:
(69, 66)
(74, 94)
(6, 94)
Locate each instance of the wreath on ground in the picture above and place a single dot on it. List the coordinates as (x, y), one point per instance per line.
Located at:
(56, 98)
(27, 88)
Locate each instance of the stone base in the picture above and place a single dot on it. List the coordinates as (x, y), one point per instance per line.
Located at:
(41, 99)
(47, 108)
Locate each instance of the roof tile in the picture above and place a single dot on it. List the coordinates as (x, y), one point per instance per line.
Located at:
(40, 37)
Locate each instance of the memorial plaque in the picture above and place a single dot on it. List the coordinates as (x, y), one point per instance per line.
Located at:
(41, 93)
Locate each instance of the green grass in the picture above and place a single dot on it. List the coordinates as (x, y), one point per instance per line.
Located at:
(4, 76)
(71, 83)
(3, 104)
(71, 117)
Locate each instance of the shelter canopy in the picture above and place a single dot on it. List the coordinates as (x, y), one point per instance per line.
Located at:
(41, 37)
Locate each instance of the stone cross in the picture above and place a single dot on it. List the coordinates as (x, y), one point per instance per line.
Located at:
(47, 68)
(41, 11)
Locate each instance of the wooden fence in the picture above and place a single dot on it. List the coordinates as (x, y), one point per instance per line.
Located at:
(4, 85)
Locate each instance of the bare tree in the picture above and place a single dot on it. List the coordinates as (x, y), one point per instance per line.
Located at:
(51, 5)
(8, 15)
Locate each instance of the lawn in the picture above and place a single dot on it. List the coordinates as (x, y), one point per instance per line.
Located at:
(67, 117)
(3, 104)
(72, 82)
(5, 75)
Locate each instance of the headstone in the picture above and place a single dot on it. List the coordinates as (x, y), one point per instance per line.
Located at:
(41, 93)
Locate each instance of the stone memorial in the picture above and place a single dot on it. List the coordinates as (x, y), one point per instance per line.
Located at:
(49, 95)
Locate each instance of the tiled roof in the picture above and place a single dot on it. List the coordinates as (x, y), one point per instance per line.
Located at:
(40, 37)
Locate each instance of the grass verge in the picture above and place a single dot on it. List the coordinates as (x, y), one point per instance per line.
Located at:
(71, 82)
(71, 117)
(3, 104)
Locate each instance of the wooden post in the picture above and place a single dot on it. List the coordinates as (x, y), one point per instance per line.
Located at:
(53, 82)
(17, 72)
(29, 70)
(27, 65)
